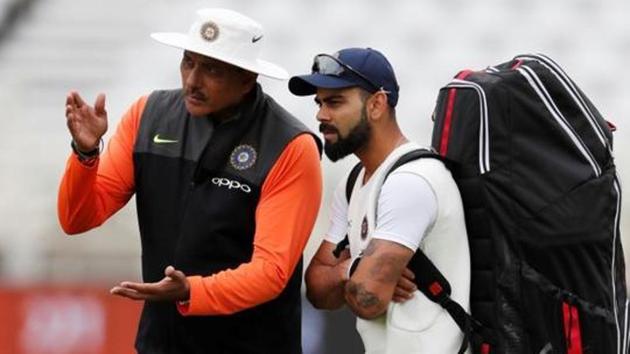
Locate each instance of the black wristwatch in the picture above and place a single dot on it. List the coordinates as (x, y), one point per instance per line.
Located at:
(85, 156)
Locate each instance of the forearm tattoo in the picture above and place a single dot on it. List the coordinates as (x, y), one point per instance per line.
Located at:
(389, 265)
(385, 267)
(360, 296)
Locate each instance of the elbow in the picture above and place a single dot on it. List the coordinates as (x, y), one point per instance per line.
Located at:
(68, 222)
(314, 293)
(315, 299)
(275, 280)
(320, 296)
(275, 290)
(366, 312)
(70, 228)
(311, 292)
(364, 303)
(73, 224)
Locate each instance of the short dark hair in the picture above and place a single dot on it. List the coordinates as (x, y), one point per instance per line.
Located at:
(365, 94)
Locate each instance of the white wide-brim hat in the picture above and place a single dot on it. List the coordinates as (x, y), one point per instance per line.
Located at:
(228, 36)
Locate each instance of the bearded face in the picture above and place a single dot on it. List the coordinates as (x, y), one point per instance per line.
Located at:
(356, 138)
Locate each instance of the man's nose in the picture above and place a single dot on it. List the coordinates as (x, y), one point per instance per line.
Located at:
(192, 80)
(322, 115)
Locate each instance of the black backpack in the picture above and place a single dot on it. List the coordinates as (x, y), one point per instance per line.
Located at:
(532, 158)
(533, 161)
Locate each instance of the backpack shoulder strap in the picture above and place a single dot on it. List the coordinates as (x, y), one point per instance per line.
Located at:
(352, 178)
(431, 282)
(415, 155)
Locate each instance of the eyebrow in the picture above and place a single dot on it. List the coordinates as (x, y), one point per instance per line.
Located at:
(202, 60)
(329, 98)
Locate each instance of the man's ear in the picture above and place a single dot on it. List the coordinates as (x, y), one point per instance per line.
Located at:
(377, 105)
(248, 80)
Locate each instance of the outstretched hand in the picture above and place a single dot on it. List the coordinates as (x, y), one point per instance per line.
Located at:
(173, 287)
(87, 124)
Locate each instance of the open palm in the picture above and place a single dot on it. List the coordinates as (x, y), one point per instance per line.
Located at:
(87, 124)
(173, 287)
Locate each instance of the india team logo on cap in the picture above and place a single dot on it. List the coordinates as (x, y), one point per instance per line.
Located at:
(209, 31)
(243, 157)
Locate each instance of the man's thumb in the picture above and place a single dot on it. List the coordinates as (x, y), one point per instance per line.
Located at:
(168, 271)
(173, 273)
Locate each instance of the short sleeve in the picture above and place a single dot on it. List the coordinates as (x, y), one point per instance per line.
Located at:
(407, 209)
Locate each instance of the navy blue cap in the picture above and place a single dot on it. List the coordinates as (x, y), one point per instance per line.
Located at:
(364, 67)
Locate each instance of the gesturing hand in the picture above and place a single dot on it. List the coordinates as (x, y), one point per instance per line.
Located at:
(173, 287)
(86, 124)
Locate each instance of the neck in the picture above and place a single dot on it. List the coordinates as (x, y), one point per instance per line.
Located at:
(229, 113)
(225, 114)
(377, 150)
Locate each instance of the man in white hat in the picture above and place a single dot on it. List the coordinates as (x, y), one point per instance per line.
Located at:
(227, 186)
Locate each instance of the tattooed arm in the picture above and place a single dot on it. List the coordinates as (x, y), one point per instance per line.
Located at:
(373, 283)
(326, 277)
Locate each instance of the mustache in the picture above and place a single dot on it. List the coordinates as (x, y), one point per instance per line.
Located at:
(196, 94)
(327, 128)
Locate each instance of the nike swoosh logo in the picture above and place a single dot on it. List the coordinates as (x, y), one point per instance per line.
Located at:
(158, 140)
(256, 39)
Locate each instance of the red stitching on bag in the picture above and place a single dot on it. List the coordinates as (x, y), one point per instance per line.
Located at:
(448, 115)
(572, 332)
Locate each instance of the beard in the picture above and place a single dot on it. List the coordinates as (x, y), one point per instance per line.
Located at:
(356, 139)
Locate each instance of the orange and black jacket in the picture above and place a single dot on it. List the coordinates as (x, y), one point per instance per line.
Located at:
(230, 204)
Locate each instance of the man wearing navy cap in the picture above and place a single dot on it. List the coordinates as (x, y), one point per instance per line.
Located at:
(385, 220)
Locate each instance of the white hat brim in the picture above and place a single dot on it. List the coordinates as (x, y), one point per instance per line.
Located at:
(183, 41)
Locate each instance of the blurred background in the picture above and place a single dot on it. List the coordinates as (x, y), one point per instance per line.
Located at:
(53, 288)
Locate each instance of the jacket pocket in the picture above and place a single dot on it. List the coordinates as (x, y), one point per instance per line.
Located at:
(559, 322)
(543, 320)
(415, 315)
